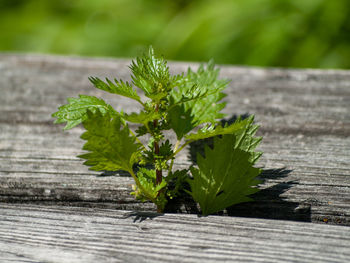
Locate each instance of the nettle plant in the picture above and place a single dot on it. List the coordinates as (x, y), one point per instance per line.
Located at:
(189, 105)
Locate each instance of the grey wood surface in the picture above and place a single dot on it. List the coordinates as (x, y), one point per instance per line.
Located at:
(305, 121)
(32, 233)
(304, 117)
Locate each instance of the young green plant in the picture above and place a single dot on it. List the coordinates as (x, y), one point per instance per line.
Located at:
(223, 176)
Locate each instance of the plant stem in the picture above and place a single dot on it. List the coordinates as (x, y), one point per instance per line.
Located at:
(137, 139)
(172, 160)
(180, 149)
(143, 190)
(159, 176)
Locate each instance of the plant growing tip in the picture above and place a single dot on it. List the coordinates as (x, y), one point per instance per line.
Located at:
(225, 174)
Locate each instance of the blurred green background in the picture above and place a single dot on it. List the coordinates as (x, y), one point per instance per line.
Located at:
(278, 33)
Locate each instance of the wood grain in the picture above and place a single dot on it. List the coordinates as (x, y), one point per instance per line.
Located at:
(32, 233)
(304, 117)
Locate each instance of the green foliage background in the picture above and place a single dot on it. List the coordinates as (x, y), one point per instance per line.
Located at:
(282, 33)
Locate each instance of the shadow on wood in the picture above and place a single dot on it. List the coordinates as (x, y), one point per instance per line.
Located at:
(269, 204)
(142, 215)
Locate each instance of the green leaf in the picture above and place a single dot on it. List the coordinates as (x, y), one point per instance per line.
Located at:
(196, 100)
(110, 146)
(165, 149)
(210, 131)
(152, 75)
(246, 141)
(147, 179)
(225, 176)
(244, 130)
(157, 96)
(119, 87)
(176, 182)
(192, 93)
(181, 121)
(149, 189)
(142, 117)
(75, 112)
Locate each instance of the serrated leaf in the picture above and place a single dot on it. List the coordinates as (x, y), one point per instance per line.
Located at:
(157, 96)
(211, 131)
(244, 130)
(75, 112)
(181, 120)
(141, 117)
(225, 176)
(176, 182)
(245, 139)
(149, 189)
(147, 179)
(119, 87)
(152, 75)
(109, 144)
(203, 106)
(141, 130)
(165, 149)
(193, 93)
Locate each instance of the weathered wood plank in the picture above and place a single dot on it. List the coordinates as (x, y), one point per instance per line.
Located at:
(31, 233)
(304, 117)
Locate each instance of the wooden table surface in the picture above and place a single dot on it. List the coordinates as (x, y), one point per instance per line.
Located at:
(53, 209)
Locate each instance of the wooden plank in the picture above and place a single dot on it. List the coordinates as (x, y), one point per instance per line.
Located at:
(31, 233)
(304, 117)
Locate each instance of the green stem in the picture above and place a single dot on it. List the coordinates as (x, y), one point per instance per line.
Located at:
(159, 173)
(137, 182)
(159, 176)
(148, 129)
(143, 104)
(172, 160)
(137, 139)
(180, 149)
